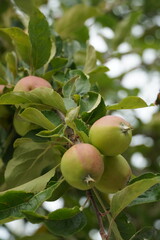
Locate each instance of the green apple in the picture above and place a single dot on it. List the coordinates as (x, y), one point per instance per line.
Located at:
(31, 82)
(117, 173)
(111, 135)
(82, 166)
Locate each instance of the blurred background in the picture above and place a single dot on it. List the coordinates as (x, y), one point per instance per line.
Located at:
(126, 36)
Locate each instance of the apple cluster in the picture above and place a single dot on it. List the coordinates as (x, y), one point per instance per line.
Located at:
(100, 163)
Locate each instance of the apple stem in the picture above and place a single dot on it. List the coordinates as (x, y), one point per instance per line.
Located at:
(103, 234)
(125, 128)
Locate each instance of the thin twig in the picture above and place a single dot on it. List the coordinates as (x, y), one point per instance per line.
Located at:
(103, 234)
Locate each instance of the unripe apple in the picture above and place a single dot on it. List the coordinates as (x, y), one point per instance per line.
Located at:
(31, 82)
(111, 135)
(82, 166)
(117, 173)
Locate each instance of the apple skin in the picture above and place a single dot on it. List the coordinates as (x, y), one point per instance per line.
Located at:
(31, 82)
(82, 166)
(116, 175)
(111, 135)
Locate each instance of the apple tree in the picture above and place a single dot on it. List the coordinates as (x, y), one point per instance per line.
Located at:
(56, 96)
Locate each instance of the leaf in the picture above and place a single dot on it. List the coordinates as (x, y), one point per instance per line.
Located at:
(92, 107)
(37, 97)
(91, 60)
(131, 102)
(148, 233)
(25, 6)
(12, 62)
(124, 197)
(28, 162)
(125, 226)
(124, 27)
(150, 196)
(35, 116)
(39, 34)
(77, 84)
(21, 42)
(12, 203)
(33, 217)
(75, 16)
(15, 98)
(65, 221)
(38, 184)
(49, 97)
(58, 63)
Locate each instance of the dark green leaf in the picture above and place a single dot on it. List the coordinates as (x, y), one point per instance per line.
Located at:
(21, 41)
(151, 195)
(14, 202)
(33, 217)
(147, 233)
(65, 222)
(92, 107)
(39, 34)
(25, 6)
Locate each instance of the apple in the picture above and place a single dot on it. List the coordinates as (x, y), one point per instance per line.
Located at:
(111, 135)
(82, 166)
(116, 175)
(31, 82)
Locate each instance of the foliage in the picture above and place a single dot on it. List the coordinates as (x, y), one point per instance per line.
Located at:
(55, 46)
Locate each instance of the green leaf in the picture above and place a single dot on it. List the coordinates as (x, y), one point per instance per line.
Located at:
(124, 27)
(38, 184)
(21, 41)
(91, 60)
(58, 63)
(33, 217)
(35, 116)
(125, 226)
(15, 98)
(12, 203)
(49, 97)
(75, 16)
(39, 34)
(78, 84)
(12, 62)
(124, 197)
(66, 221)
(150, 196)
(92, 107)
(131, 102)
(37, 97)
(51, 133)
(148, 233)
(28, 162)
(25, 6)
